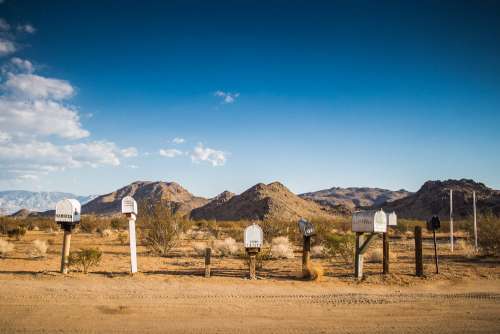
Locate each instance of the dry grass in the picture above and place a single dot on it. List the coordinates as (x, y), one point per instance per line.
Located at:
(39, 248)
(315, 272)
(199, 248)
(226, 247)
(5, 247)
(318, 251)
(281, 248)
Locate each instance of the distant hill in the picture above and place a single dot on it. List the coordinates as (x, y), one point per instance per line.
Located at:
(171, 193)
(261, 202)
(433, 198)
(354, 197)
(12, 201)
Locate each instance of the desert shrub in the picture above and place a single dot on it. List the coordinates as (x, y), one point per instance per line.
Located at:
(162, 228)
(317, 251)
(315, 271)
(51, 242)
(17, 232)
(226, 247)
(92, 224)
(85, 258)
(276, 228)
(122, 236)
(262, 257)
(281, 248)
(375, 255)
(119, 223)
(340, 246)
(323, 228)
(5, 247)
(488, 234)
(39, 248)
(106, 233)
(466, 247)
(199, 248)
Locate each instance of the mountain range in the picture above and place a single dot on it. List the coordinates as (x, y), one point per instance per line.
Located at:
(12, 201)
(275, 201)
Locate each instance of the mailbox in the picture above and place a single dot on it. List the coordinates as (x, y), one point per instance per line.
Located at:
(369, 221)
(68, 212)
(253, 236)
(306, 228)
(392, 219)
(129, 205)
(433, 224)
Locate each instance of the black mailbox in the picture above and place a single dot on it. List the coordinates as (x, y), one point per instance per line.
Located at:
(433, 224)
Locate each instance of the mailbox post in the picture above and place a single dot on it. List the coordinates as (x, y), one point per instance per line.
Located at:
(129, 208)
(67, 216)
(392, 220)
(434, 224)
(307, 230)
(253, 238)
(372, 222)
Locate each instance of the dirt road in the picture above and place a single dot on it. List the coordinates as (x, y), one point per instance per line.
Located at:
(46, 303)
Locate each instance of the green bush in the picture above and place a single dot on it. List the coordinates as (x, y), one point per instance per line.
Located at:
(488, 234)
(92, 224)
(85, 258)
(340, 246)
(17, 232)
(162, 227)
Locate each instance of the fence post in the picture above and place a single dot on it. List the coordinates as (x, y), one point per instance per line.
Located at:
(65, 251)
(385, 244)
(358, 257)
(208, 255)
(306, 256)
(419, 266)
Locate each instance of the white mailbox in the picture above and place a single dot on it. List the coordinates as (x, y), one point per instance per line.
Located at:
(306, 228)
(68, 211)
(392, 219)
(129, 205)
(253, 236)
(369, 221)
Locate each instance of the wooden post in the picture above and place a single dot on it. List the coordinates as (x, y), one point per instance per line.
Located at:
(252, 253)
(208, 255)
(419, 266)
(475, 219)
(132, 242)
(65, 251)
(451, 221)
(358, 256)
(435, 251)
(306, 250)
(385, 244)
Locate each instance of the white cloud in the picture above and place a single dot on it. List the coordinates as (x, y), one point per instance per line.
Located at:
(170, 153)
(4, 137)
(214, 157)
(26, 28)
(4, 25)
(133, 166)
(39, 117)
(35, 86)
(129, 152)
(40, 157)
(22, 64)
(178, 140)
(6, 47)
(227, 97)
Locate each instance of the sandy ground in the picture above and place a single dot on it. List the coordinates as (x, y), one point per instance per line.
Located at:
(170, 295)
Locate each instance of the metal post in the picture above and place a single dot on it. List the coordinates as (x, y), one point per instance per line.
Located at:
(358, 257)
(306, 250)
(451, 220)
(133, 245)
(65, 251)
(419, 266)
(435, 251)
(475, 219)
(385, 243)
(208, 256)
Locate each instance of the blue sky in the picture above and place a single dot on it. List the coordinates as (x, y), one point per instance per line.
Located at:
(312, 94)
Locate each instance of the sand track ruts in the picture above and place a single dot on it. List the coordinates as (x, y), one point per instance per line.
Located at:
(144, 305)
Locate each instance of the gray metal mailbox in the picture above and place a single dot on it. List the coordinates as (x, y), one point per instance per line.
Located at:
(306, 228)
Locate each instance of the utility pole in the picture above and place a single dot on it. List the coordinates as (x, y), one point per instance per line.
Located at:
(451, 220)
(475, 218)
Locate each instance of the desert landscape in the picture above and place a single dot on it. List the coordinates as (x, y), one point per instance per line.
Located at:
(171, 293)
